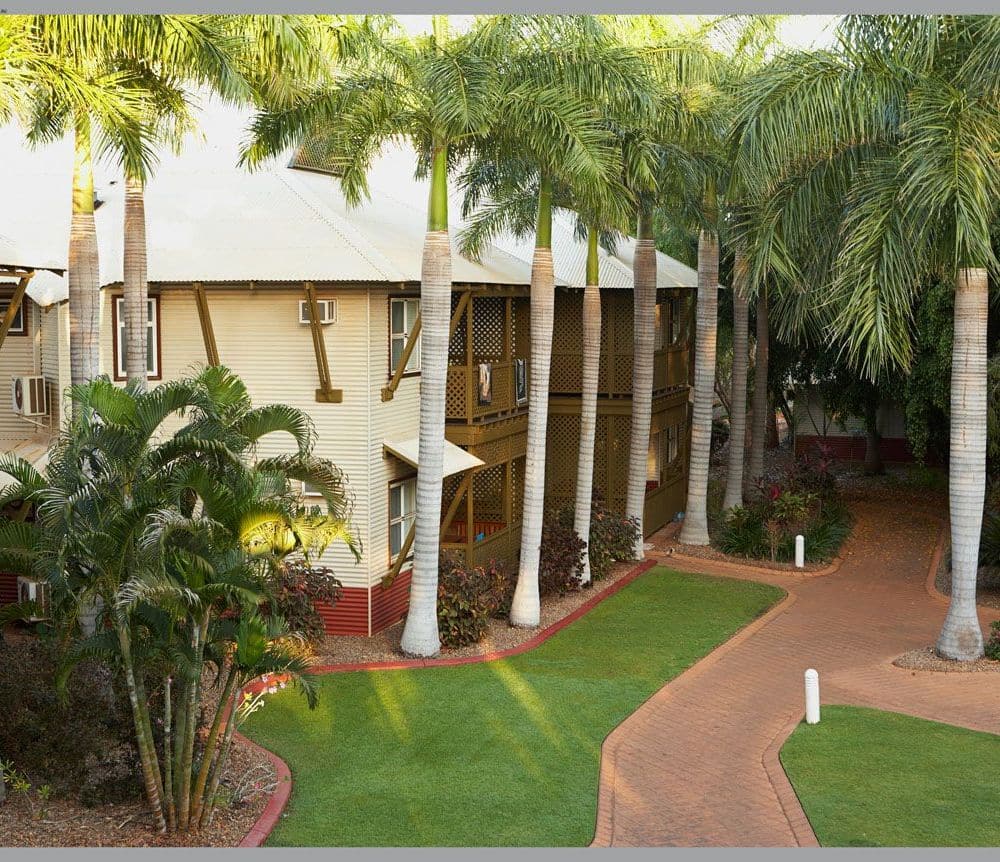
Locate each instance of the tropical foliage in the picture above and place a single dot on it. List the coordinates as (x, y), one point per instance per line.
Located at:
(172, 538)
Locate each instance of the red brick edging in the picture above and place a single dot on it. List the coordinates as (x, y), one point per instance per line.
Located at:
(275, 806)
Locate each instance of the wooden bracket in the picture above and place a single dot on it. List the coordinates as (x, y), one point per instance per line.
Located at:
(205, 319)
(15, 304)
(326, 394)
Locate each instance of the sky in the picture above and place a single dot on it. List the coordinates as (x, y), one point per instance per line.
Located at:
(796, 31)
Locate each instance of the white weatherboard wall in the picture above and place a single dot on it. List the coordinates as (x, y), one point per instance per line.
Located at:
(259, 338)
(398, 418)
(20, 355)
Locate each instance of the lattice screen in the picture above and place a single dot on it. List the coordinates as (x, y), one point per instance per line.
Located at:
(487, 489)
(456, 347)
(488, 320)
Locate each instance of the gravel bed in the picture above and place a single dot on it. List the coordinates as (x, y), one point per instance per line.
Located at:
(350, 649)
(927, 659)
(67, 823)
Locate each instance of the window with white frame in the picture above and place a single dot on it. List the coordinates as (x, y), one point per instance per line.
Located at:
(152, 337)
(17, 326)
(403, 315)
(402, 510)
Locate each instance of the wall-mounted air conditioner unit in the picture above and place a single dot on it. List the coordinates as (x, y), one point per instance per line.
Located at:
(327, 311)
(29, 590)
(29, 396)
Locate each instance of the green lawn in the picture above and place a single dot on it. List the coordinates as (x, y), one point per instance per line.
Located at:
(871, 778)
(500, 753)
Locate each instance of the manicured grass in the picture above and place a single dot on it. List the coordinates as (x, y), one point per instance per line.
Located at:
(500, 753)
(870, 778)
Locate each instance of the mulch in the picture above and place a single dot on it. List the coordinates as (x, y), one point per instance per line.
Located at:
(67, 823)
(927, 659)
(500, 635)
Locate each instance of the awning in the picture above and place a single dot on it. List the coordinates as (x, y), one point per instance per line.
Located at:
(34, 451)
(456, 459)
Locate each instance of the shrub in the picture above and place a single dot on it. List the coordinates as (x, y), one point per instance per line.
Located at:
(804, 501)
(81, 745)
(561, 563)
(989, 545)
(993, 644)
(469, 598)
(294, 590)
(612, 536)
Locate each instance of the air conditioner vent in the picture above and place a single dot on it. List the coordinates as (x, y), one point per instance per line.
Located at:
(29, 396)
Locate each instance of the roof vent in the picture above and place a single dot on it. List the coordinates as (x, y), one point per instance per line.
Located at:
(317, 153)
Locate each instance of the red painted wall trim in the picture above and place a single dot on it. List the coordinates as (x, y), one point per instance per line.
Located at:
(850, 448)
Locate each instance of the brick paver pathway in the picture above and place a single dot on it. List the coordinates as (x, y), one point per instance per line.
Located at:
(688, 768)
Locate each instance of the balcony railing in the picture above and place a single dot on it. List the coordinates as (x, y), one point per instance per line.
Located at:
(465, 402)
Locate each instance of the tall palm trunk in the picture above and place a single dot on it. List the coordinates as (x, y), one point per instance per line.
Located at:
(588, 405)
(525, 608)
(84, 274)
(873, 457)
(694, 530)
(136, 287)
(420, 634)
(759, 404)
(738, 396)
(644, 344)
(961, 636)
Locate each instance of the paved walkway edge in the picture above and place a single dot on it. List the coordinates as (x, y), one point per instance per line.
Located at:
(604, 827)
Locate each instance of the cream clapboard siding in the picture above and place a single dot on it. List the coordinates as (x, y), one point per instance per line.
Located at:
(259, 337)
(20, 355)
(395, 419)
(55, 361)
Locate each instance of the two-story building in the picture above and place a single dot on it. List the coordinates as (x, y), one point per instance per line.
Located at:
(317, 305)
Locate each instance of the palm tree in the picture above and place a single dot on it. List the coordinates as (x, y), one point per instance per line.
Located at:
(550, 145)
(882, 156)
(738, 398)
(170, 534)
(435, 91)
(588, 399)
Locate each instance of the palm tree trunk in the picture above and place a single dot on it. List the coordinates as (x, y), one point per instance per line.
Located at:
(644, 343)
(588, 404)
(420, 634)
(694, 530)
(873, 457)
(135, 285)
(759, 404)
(526, 606)
(147, 754)
(84, 274)
(738, 396)
(961, 636)
(211, 745)
(168, 760)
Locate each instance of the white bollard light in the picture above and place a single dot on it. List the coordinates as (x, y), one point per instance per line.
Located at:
(800, 552)
(812, 697)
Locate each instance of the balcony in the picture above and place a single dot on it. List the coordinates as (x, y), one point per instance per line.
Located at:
(465, 402)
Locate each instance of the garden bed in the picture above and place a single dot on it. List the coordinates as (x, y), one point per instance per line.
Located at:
(68, 823)
(500, 635)
(926, 658)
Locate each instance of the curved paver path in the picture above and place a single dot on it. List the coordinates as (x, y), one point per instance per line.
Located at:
(690, 766)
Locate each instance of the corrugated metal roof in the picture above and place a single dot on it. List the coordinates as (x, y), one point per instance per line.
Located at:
(212, 221)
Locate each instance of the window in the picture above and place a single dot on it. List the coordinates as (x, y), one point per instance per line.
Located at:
(653, 461)
(17, 327)
(402, 509)
(402, 318)
(673, 448)
(659, 326)
(152, 337)
(310, 490)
